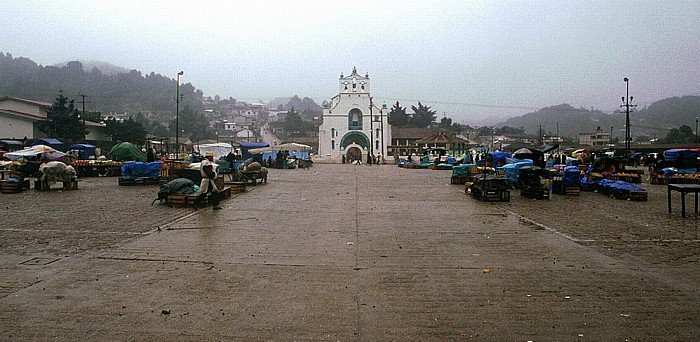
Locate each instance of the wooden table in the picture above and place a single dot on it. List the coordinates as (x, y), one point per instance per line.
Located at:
(684, 189)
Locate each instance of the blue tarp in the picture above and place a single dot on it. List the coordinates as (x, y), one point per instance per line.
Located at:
(133, 170)
(84, 150)
(463, 169)
(499, 156)
(572, 176)
(55, 143)
(513, 170)
(618, 186)
(685, 158)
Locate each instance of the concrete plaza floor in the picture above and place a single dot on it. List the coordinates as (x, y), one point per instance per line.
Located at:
(346, 253)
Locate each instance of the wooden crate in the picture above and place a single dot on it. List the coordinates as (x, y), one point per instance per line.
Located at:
(461, 179)
(188, 200)
(535, 193)
(587, 187)
(236, 187)
(138, 181)
(490, 195)
(72, 185)
(44, 185)
(637, 195)
(659, 180)
(10, 188)
(571, 190)
(180, 200)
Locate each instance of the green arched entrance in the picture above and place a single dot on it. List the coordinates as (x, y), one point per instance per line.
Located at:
(354, 137)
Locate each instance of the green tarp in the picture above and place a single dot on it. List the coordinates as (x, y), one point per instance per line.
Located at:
(125, 151)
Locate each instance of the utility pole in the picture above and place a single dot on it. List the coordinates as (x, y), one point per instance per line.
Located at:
(83, 116)
(628, 107)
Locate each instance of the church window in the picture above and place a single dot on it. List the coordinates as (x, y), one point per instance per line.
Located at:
(332, 144)
(355, 119)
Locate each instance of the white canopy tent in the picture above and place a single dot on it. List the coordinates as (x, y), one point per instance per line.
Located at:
(219, 149)
(282, 147)
(37, 151)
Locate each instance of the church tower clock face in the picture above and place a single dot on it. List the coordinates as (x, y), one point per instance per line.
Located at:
(353, 127)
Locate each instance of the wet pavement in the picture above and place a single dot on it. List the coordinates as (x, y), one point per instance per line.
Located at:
(346, 253)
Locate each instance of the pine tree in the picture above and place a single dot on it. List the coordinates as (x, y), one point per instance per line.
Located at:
(63, 121)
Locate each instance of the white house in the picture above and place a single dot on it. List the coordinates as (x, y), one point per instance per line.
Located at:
(19, 118)
(353, 125)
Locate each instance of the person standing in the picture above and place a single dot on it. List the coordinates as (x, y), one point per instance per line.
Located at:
(206, 169)
(151, 155)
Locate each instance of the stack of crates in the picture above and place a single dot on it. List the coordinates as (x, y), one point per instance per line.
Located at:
(490, 188)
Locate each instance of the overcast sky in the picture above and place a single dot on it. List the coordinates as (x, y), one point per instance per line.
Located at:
(468, 60)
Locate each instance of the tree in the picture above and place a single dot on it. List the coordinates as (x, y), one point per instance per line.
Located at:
(63, 120)
(129, 130)
(423, 117)
(445, 123)
(507, 130)
(683, 134)
(193, 124)
(397, 116)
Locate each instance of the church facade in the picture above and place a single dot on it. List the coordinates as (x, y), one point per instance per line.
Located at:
(353, 127)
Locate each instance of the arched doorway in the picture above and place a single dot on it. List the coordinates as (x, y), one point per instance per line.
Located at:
(353, 153)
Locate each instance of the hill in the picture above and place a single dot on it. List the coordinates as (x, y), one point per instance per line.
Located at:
(653, 121)
(121, 92)
(104, 67)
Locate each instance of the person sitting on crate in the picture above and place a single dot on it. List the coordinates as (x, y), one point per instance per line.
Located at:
(206, 169)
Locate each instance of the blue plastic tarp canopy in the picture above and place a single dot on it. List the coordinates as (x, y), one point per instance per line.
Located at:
(84, 150)
(499, 156)
(133, 170)
(55, 143)
(682, 158)
(512, 171)
(459, 170)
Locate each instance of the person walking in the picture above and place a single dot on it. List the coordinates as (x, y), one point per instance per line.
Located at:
(208, 172)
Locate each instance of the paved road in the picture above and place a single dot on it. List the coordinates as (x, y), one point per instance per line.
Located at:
(345, 253)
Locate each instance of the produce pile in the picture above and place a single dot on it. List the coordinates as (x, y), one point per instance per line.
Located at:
(96, 163)
(688, 178)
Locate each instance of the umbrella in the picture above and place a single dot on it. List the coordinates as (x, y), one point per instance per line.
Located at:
(523, 150)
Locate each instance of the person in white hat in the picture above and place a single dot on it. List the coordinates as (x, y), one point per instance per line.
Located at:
(208, 172)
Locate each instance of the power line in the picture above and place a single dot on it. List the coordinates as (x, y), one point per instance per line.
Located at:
(470, 104)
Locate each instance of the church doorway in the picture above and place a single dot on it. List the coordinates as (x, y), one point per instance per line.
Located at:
(353, 154)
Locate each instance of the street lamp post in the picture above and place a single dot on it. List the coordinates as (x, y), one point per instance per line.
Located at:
(696, 130)
(177, 116)
(626, 103)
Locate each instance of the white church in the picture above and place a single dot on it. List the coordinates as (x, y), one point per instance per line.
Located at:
(353, 125)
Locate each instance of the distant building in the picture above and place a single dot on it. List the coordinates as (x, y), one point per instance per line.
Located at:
(597, 138)
(353, 126)
(403, 140)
